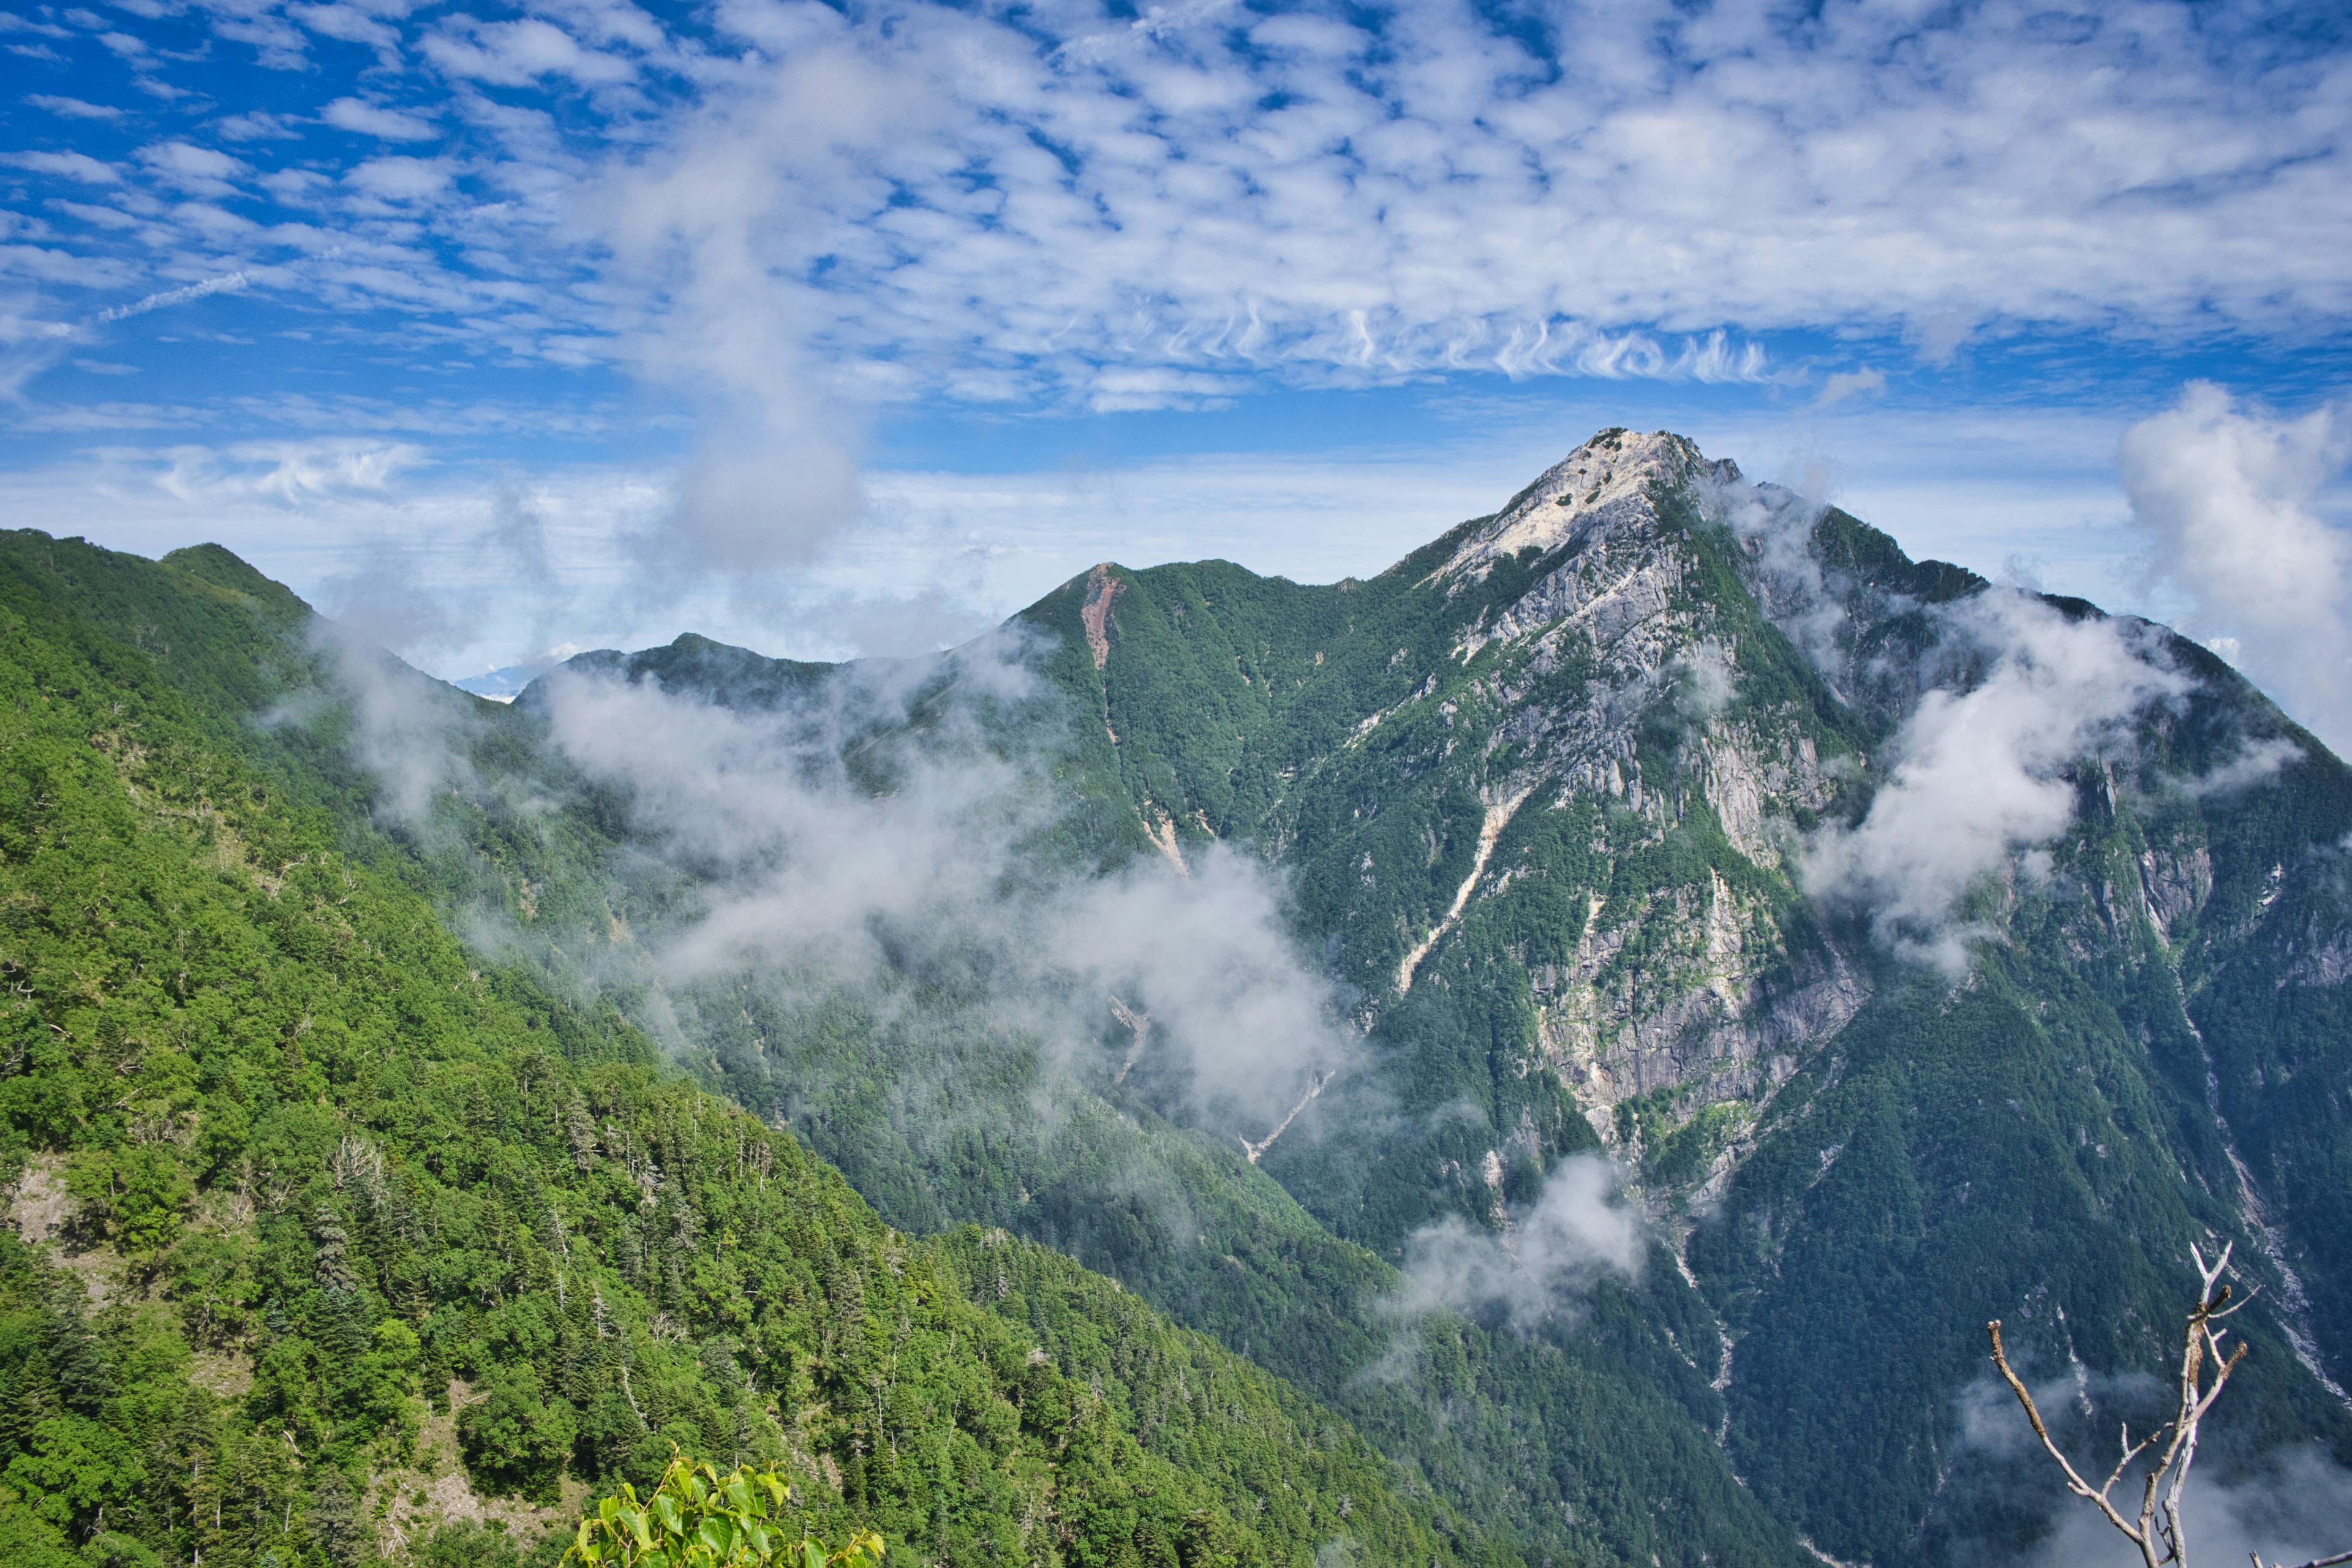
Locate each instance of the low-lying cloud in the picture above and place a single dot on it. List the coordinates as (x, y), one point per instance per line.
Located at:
(1578, 1231)
(834, 850)
(2297, 1508)
(1979, 773)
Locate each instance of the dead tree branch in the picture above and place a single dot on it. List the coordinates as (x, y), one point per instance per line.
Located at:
(2156, 1530)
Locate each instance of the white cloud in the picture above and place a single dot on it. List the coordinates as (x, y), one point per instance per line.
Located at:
(354, 25)
(200, 170)
(70, 165)
(2229, 502)
(810, 881)
(72, 108)
(400, 179)
(29, 345)
(1977, 773)
(1422, 195)
(256, 126)
(376, 119)
(1578, 1231)
(1847, 383)
(288, 472)
(516, 53)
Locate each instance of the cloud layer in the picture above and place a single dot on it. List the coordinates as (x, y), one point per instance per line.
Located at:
(1054, 201)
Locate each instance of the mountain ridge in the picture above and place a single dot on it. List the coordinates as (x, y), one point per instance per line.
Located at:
(327, 1232)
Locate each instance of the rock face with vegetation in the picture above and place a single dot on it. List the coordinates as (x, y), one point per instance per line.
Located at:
(1911, 950)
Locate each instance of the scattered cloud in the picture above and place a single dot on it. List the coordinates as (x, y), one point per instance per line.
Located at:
(376, 119)
(288, 472)
(198, 171)
(1978, 774)
(1845, 384)
(1010, 205)
(1578, 1231)
(519, 53)
(400, 179)
(255, 126)
(78, 166)
(72, 108)
(2228, 500)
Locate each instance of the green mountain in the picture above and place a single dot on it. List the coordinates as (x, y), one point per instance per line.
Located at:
(1554, 788)
(1612, 815)
(1609, 1006)
(331, 1240)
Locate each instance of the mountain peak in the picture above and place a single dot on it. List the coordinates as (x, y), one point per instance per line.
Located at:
(1598, 487)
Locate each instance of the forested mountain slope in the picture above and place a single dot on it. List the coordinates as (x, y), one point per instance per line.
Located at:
(326, 1231)
(974, 1067)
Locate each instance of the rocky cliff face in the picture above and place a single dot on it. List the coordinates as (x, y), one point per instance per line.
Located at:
(1606, 681)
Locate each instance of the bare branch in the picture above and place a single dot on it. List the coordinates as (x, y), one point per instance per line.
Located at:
(2204, 1368)
(2079, 1487)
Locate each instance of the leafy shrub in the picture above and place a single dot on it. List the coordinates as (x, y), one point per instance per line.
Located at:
(695, 1517)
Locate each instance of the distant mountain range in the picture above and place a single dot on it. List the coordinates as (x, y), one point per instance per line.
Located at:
(1605, 1010)
(506, 683)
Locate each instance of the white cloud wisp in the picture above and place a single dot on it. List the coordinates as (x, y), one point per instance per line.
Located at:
(921, 865)
(1578, 1231)
(1979, 773)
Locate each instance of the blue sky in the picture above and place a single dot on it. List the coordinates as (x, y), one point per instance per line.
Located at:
(828, 329)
